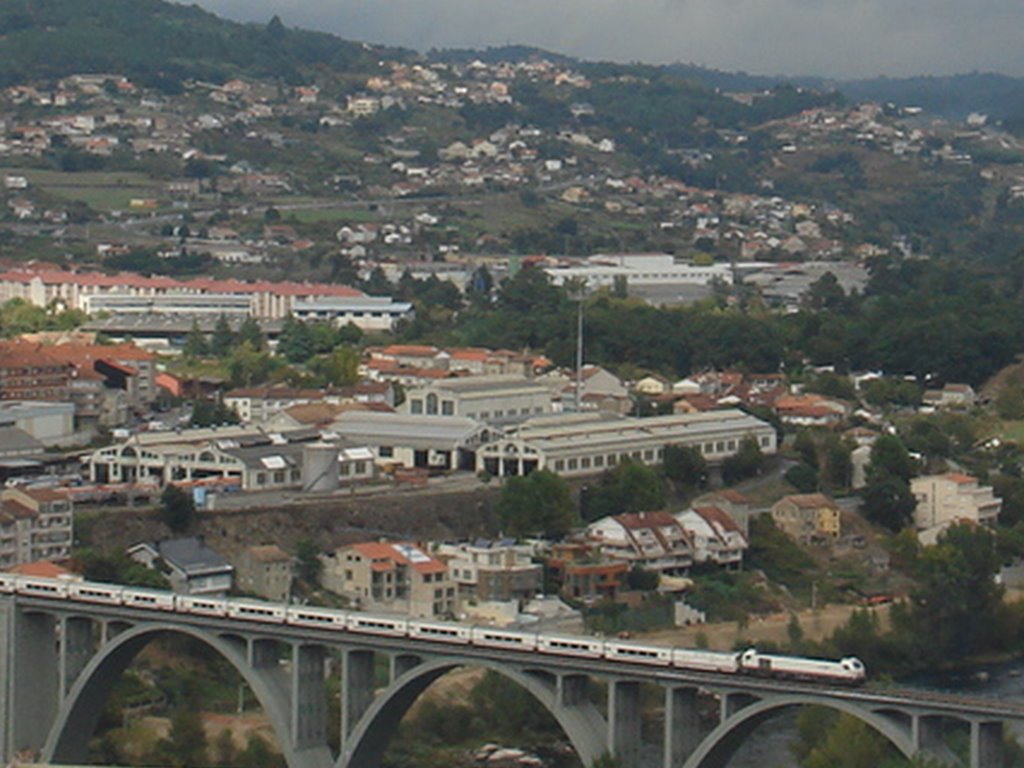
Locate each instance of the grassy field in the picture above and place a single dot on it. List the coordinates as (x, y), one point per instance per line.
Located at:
(1012, 431)
(335, 215)
(100, 190)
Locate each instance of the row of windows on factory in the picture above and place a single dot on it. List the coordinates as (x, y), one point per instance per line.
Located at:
(648, 455)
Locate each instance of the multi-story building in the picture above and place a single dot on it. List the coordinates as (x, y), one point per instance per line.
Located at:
(265, 571)
(27, 372)
(652, 541)
(493, 570)
(35, 524)
(808, 517)
(495, 400)
(717, 538)
(950, 498)
(46, 287)
(370, 313)
(583, 574)
(394, 577)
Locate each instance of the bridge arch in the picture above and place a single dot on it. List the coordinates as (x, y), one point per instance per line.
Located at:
(582, 724)
(80, 710)
(723, 742)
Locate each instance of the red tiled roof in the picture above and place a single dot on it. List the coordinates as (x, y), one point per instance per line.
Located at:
(389, 554)
(40, 568)
(205, 285)
(637, 520)
(410, 350)
(810, 500)
(959, 478)
(718, 519)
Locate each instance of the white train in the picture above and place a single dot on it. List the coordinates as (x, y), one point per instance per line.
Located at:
(751, 662)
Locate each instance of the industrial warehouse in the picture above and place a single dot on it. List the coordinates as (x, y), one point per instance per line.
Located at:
(252, 459)
(588, 443)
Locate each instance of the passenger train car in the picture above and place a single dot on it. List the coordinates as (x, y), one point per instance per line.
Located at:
(849, 671)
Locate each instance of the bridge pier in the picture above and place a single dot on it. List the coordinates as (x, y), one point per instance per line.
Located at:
(731, 702)
(986, 744)
(624, 736)
(926, 734)
(682, 725)
(77, 646)
(402, 663)
(571, 690)
(34, 680)
(309, 697)
(357, 689)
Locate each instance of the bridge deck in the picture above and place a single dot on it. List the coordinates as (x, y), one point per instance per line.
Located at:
(871, 696)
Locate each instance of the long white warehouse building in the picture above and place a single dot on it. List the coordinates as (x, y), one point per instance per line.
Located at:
(581, 444)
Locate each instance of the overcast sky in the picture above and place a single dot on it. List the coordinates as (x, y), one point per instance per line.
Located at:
(831, 38)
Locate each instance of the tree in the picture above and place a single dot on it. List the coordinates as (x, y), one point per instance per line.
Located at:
(340, 368)
(629, 487)
(642, 580)
(889, 456)
(177, 509)
(957, 607)
(539, 503)
(223, 339)
(209, 413)
(686, 465)
(888, 501)
(247, 367)
(250, 332)
(185, 745)
(309, 567)
(195, 343)
(746, 462)
(803, 477)
(295, 341)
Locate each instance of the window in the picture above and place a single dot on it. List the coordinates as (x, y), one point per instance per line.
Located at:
(447, 408)
(720, 446)
(572, 464)
(709, 448)
(559, 465)
(732, 445)
(585, 463)
(612, 460)
(261, 478)
(498, 414)
(648, 455)
(599, 461)
(416, 406)
(431, 404)
(386, 451)
(279, 477)
(766, 442)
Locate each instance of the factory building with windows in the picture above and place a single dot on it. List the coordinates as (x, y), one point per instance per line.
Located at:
(585, 443)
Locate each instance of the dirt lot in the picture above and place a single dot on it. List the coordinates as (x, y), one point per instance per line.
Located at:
(817, 625)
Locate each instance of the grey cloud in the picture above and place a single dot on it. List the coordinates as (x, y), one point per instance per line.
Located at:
(833, 38)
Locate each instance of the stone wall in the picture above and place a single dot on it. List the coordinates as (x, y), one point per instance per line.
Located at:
(417, 517)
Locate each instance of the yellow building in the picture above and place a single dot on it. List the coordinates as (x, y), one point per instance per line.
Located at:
(808, 517)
